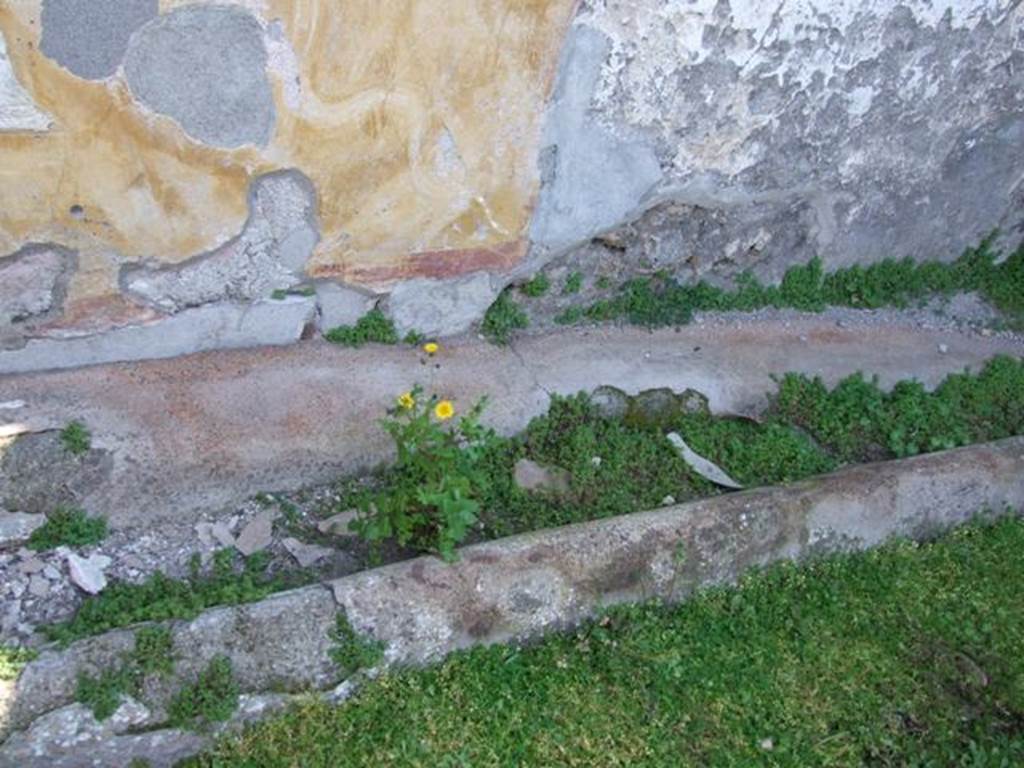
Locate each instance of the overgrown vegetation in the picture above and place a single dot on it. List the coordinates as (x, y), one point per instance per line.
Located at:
(351, 651)
(436, 480)
(502, 318)
(76, 438)
(373, 327)
(536, 287)
(160, 597)
(661, 301)
(618, 465)
(858, 421)
(13, 659)
(905, 656)
(153, 656)
(212, 698)
(66, 527)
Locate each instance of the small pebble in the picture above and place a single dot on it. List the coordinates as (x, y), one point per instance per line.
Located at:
(668, 501)
(943, 349)
(767, 745)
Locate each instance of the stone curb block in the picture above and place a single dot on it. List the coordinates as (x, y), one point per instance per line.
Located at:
(516, 588)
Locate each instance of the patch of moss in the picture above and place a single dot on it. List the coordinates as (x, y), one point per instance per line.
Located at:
(76, 437)
(536, 287)
(13, 659)
(69, 528)
(159, 597)
(503, 317)
(373, 327)
(212, 698)
(351, 651)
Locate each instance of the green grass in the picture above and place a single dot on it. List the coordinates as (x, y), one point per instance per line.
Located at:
(160, 597)
(212, 698)
(68, 528)
(502, 318)
(905, 656)
(373, 327)
(13, 659)
(76, 438)
(661, 301)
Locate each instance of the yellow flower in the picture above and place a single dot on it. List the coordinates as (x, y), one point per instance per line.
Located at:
(444, 410)
(407, 401)
(431, 348)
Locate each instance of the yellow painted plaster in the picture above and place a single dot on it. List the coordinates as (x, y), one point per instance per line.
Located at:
(418, 122)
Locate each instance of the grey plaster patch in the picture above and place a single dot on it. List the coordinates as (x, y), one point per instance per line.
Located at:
(441, 307)
(591, 179)
(89, 37)
(205, 66)
(18, 112)
(269, 254)
(33, 282)
(218, 326)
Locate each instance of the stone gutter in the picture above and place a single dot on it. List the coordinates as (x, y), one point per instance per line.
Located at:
(500, 591)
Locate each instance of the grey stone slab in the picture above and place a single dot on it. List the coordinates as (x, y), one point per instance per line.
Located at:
(216, 326)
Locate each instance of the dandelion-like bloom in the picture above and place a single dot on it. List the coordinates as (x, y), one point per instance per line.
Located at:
(444, 410)
(407, 401)
(431, 348)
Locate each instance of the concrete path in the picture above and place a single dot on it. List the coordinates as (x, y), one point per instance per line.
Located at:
(206, 431)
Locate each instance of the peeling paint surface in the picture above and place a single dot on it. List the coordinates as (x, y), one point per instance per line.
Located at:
(416, 122)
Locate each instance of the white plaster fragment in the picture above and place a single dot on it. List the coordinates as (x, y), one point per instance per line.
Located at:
(17, 110)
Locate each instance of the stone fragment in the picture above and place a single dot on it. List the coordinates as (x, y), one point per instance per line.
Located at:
(87, 572)
(89, 37)
(610, 402)
(703, 467)
(16, 527)
(38, 586)
(31, 564)
(32, 282)
(654, 408)
(218, 326)
(340, 305)
(214, 535)
(205, 66)
(51, 573)
(531, 476)
(441, 307)
(668, 501)
(337, 525)
(258, 534)
(305, 554)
